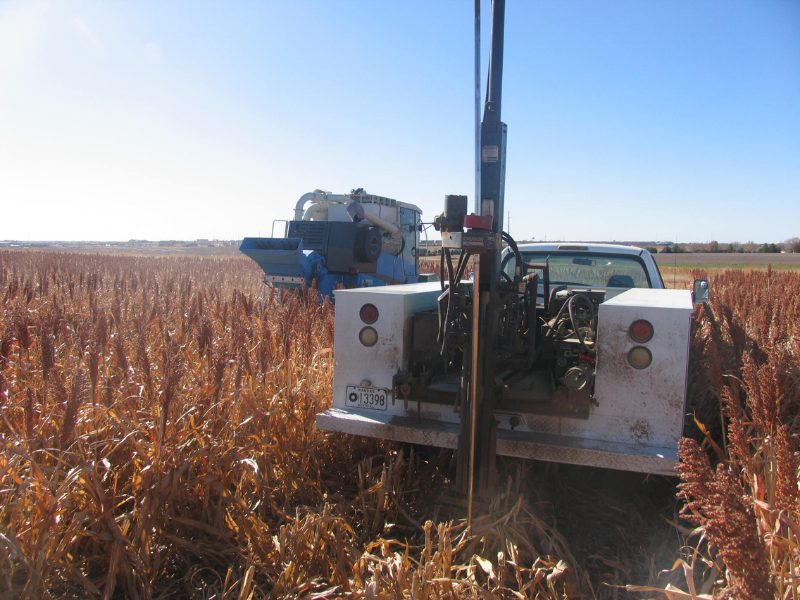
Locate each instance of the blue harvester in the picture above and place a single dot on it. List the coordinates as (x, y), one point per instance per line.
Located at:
(342, 240)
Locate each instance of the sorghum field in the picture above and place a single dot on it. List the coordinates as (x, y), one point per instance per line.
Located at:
(158, 441)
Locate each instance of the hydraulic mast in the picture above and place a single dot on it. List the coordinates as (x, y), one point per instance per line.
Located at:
(478, 433)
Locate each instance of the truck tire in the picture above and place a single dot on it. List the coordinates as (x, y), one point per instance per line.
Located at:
(369, 242)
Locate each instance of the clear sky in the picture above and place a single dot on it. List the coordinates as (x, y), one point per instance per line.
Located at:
(627, 120)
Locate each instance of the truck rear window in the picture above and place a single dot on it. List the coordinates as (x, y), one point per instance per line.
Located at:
(585, 269)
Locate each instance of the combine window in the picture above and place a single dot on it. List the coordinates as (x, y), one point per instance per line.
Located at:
(586, 269)
(409, 223)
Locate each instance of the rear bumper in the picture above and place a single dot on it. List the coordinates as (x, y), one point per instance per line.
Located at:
(522, 444)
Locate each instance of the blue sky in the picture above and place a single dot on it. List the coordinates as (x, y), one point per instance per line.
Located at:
(628, 120)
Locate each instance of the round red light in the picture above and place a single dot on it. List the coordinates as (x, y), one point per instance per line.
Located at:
(368, 313)
(641, 331)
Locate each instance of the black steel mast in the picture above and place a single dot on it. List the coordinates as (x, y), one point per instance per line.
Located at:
(478, 437)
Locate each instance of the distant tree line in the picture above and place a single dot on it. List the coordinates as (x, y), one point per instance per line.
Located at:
(790, 245)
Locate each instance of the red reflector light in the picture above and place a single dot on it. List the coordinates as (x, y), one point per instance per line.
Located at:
(641, 331)
(368, 313)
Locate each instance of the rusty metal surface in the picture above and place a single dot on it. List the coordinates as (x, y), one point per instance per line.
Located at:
(562, 401)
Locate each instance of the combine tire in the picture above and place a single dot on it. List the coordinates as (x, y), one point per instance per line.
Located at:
(369, 242)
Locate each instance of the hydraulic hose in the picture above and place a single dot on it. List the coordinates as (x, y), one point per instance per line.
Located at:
(453, 278)
(574, 321)
(444, 323)
(517, 256)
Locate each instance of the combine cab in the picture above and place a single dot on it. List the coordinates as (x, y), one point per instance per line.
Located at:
(352, 240)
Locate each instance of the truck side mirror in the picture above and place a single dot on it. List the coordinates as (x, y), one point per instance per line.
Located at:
(700, 293)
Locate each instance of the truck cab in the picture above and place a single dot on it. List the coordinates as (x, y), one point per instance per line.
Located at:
(611, 267)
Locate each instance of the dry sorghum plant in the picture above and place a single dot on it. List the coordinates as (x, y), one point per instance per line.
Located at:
(158, 439)
(748, 508)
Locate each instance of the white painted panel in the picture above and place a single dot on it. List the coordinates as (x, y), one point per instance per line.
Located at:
(651, 400)
(356, 363)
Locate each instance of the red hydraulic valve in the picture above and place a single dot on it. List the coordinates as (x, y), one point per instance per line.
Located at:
(478, 221)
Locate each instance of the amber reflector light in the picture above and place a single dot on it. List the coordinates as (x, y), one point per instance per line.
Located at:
(640, 357)
(368, 336)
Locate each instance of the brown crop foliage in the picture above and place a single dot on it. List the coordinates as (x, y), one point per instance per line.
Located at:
(748, 343)
(158, 440)
(739, 473)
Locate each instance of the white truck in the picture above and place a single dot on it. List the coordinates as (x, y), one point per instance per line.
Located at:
(591, 369)
(571, 353)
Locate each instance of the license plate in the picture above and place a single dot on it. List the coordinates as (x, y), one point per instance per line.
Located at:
(364, 397)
